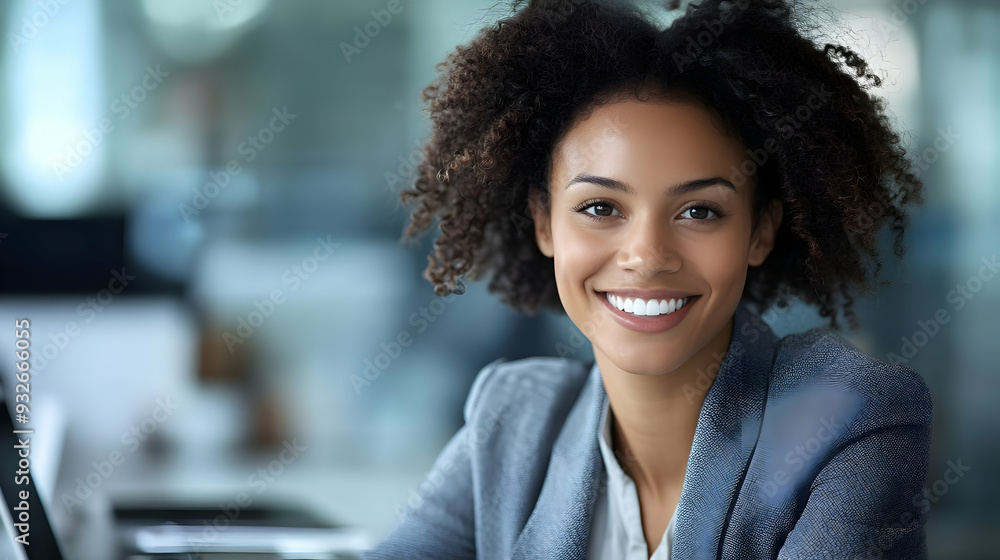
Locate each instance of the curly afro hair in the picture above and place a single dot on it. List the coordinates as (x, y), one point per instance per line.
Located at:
(817, 139)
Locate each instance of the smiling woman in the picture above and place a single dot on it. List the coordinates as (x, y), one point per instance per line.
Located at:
(691, 242)
(670, 190)
(655, 215)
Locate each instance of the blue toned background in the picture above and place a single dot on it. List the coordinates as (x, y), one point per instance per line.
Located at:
(198, 214)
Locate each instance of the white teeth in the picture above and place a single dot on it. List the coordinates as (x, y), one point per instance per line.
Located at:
(641, 307)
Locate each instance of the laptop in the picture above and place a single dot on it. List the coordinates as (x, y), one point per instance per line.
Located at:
(27, 534)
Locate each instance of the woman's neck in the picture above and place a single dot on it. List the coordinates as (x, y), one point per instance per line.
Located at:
(653, 417)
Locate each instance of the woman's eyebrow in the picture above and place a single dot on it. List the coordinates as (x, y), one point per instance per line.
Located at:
(676, 190)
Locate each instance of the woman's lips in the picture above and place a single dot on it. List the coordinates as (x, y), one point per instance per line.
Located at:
(646, 323)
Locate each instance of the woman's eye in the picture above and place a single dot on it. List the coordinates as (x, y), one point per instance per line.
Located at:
(604, 210)
(699, 212)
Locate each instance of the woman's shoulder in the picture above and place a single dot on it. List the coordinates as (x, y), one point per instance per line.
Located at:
(821, 360)
(538, 383)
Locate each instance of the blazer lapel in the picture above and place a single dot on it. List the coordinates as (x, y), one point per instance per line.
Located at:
(559, 525)
(725, 435)
(724, 438)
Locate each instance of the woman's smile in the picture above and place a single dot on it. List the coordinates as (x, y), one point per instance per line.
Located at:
(650, 316)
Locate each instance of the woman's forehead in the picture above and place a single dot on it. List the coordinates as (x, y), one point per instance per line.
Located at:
(638, 137)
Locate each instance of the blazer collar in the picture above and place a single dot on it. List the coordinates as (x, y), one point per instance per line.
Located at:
(724, 438)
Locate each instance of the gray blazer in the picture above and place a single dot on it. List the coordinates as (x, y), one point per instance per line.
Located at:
(804, 448)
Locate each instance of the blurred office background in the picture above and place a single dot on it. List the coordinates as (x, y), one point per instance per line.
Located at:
(198, 214)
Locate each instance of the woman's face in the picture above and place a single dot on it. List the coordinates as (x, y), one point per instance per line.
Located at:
(647, 202)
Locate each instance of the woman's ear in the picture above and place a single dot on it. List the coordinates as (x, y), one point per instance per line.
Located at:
(543, 225)
(764, 235)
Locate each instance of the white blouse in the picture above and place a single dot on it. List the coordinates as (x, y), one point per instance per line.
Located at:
(616, 526)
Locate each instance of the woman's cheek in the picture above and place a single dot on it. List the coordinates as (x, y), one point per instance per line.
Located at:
(728, 266)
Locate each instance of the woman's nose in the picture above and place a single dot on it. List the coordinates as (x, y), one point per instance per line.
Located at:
(647, 248)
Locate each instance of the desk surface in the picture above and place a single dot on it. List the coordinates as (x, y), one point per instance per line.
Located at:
(355, 497)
